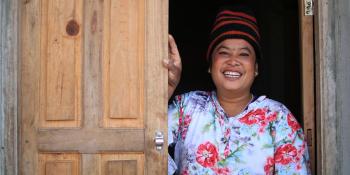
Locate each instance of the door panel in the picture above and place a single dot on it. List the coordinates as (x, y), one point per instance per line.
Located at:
(59, 164)
(123, 61)
(60, 63)
(93, 89)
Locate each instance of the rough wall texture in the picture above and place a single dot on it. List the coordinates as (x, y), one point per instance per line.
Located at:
(333, 85)
(342, 45)
(8, 86)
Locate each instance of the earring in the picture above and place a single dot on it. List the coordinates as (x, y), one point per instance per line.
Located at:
(209, 70)
(256, 73)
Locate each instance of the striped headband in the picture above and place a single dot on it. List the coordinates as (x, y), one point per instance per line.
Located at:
(236, 22)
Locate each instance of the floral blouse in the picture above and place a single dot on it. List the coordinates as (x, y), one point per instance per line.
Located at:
(264, 139)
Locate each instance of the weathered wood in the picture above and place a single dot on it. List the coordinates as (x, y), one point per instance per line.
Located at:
(8, 84)
(326, 115)
(59, 164)
(332, 72)
(308, 80)
(58, 168)
(129, 167)
(123, 59)
(156, 84)
(114, 167)
(29, 92)
(89, 164)
(123, 164)
(60, 59)
(92, 64)
(91, 140)
(117, 138)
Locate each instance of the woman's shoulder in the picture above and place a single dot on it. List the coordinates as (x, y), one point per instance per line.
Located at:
(271, 104)
(193, 97)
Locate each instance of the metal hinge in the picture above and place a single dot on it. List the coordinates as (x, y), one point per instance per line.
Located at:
(308, 7)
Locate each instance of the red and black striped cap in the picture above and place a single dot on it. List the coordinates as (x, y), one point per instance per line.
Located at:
(235, 22)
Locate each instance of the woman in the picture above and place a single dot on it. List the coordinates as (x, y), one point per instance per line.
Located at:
(229, 130)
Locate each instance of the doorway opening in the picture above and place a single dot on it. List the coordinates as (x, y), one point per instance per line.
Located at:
(190, 23)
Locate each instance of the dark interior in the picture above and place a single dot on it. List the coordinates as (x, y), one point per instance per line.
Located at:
(279, 69)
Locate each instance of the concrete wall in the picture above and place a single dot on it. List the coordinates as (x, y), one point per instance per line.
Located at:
(333, 86)
(342, 76)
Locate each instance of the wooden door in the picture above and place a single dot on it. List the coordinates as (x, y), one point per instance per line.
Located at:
(308, 77)
(92, 88)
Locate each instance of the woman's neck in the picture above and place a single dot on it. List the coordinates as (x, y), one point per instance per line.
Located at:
(233, 104)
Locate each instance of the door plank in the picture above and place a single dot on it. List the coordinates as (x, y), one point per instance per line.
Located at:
(59, 168)
(90, 164)
(29, 94)
(60, 59)
(91, 141)
(123, 49)
(124, 163)
(156, 86)
(92, 67)
(308, 80)
(114, 167)
(59, 164)
(129, 167)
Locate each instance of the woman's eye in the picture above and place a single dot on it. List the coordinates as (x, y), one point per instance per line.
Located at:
(244, 54)
(223, 53)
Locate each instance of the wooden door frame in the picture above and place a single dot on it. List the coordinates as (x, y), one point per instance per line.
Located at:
(326, 114)
(306, 28)
(326, 131)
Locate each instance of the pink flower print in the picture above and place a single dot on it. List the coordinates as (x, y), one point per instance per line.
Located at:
(267, 120)
(221, 171)
(272, 117)
(184, 125)
(207, 154)
(253, 117)
(292, 123)
(269, 165)
(285, 154)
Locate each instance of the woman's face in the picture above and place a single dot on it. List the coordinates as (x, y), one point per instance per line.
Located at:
(233, 66)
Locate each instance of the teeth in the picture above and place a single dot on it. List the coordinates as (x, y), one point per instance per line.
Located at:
(232, 74)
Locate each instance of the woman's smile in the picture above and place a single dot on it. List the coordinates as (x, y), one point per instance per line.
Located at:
(233, 66)
(232, 75)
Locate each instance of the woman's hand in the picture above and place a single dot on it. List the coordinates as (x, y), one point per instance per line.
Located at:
(173, 64)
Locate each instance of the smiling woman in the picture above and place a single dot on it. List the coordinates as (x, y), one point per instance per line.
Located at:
(229, 130)
(233, 71)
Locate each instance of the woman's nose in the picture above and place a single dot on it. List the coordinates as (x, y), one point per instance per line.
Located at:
(233, 61)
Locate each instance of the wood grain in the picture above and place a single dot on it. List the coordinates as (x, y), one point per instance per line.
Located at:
(9, 58)
(308, 81)
(91, 141)
(59, 164)
(156, 86)
(126, 164)
(90, 164)
(123, 63)
(61, 68)
(29, 92)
